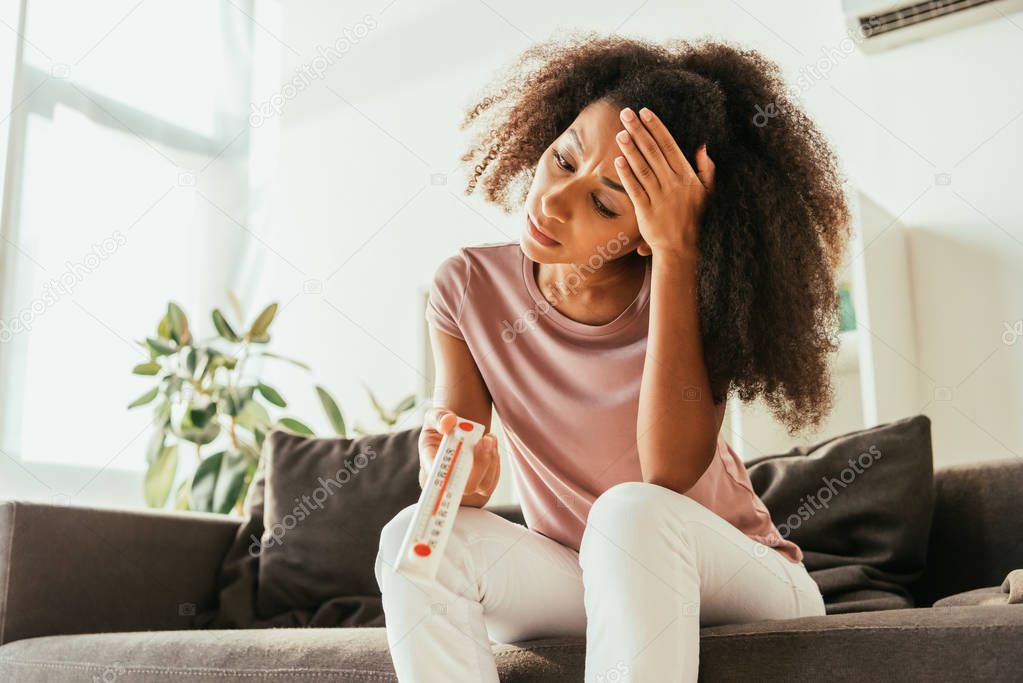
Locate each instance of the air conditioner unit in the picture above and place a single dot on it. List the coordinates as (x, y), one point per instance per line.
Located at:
(882, 24)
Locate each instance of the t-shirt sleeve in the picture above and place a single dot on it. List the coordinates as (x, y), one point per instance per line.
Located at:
(447, 294)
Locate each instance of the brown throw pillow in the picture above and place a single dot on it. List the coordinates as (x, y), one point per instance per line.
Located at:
(238, 583)
(326, 501)
(859, 505)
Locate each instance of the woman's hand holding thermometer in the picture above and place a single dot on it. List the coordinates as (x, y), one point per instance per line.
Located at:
(486, 469)
(446, 485)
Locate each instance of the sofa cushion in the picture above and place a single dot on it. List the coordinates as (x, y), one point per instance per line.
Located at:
(921, 644)
(286, 598)
(298, 655)
(238, 579)
(859, 505)
(326, 501)
(977, 533)
(907, 645)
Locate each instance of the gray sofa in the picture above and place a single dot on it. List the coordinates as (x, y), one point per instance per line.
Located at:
(108, 595)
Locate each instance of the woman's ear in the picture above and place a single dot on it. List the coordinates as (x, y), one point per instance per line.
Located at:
(643, 249)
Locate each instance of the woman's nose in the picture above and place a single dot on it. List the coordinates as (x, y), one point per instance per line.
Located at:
(552, 206)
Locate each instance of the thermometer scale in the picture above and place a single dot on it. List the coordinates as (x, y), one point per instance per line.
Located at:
(427, 535)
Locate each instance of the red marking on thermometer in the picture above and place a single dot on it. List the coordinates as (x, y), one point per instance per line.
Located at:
(423, 547)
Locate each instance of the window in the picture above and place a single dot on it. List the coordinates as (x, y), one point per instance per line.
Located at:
(128, 165)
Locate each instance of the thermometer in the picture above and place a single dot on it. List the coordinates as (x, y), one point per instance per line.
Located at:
(427, 535)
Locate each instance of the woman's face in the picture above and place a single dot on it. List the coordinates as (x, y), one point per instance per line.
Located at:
(576, 197)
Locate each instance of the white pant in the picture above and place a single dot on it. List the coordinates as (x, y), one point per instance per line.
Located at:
(653, 566)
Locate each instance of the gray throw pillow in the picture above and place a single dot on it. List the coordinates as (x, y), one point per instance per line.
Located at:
(859, 505)
(325, 502)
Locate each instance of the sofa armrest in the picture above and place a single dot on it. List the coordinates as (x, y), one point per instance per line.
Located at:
(70, 569)
(977, 529)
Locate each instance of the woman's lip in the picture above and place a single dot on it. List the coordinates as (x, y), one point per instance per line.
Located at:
(538, 231)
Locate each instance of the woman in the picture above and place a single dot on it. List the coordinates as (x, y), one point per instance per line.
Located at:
(682, 224)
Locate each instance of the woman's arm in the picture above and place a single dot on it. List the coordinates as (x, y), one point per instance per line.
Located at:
(678, 422)
(459, 387)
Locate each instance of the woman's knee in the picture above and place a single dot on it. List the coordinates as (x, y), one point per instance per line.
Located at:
(628, 512)
(469, 523)
(627, 504)
(391, 536)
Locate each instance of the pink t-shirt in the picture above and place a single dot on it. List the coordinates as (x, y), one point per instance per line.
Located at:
(567, 394)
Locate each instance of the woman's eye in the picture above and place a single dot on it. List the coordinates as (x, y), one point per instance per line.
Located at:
(561, 161)
(600, 208)
(603, 210)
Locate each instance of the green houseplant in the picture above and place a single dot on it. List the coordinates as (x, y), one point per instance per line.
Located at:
(201, 396)
(389, 417)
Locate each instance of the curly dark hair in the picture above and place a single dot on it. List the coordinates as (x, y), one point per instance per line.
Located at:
(775, 227)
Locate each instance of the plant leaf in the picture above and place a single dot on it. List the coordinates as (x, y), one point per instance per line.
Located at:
(150, 368)
(407, 403)
(222, 361)
(250, 474)
(230, 403)
(198, 424)
(178, 324)
(203, 364)
(155, 446)
(250, 451)
(272, 395)
(233, 467)
(162, 414)
(181, 497)
(284, 358)
(224, 328)
(191, 358)
(163, 329)
(253, 416)
(203, 436)
(330, 407)
(173, 385)
(295, 426)
(236, 305)
(160, 347)
(160, 477)
(204, 483)
(263, 321)
(384, 414)
(144, 398)
(197, 416)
